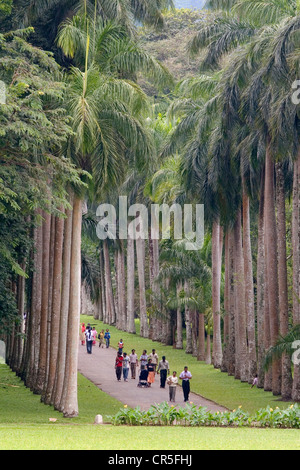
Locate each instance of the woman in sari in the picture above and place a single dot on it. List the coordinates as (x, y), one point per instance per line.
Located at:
(151, 372)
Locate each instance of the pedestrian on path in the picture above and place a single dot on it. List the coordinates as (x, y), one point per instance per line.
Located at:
(151, 372)
(172, 381)
(82, 334)
(144, 360)
(119, 366)
(94, 335)
(154, 359)
(89, 340)
(126, 361)
(186, 376)
(133, 363)
(107, 338)
(121, 346)
(163, 369)
(101, 338)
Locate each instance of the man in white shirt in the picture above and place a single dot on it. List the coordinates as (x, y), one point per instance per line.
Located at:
(133, 363)
(144, 360)
(154, 358)
(186, 376)
(172, 381)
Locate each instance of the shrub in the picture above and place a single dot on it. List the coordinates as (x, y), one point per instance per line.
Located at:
(165, 415)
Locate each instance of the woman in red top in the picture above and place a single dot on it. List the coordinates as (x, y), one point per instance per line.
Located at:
(118, 366)
(82, 335)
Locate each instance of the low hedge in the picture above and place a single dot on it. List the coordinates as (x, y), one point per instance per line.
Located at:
(165, 415)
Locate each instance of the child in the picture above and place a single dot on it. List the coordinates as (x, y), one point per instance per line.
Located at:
(121, 346)
(255, 381)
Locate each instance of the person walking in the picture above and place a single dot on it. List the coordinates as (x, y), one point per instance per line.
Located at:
(107, 338)
(186, 376)
(121, 346)
(172, 381)
(144, 360)
(151, 372)
(163, 370)
(119, 366)
(154, 359)
(89, 340)
(101, 338)
(126, 361)
(133, 363)
(94, 335)
(82, 334)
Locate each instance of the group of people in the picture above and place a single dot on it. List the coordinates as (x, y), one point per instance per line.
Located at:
(88, 336)
(153, 366)
(149, 363)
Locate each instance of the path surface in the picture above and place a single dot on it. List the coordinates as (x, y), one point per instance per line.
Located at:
(98, 367)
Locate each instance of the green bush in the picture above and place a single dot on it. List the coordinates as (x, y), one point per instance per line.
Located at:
(165, 415)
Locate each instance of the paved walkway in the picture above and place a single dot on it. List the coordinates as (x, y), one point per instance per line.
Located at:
(98, 367)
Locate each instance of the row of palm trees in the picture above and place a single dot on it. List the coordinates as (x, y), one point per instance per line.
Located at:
(105, 108)
(229, 141)
(235, 135)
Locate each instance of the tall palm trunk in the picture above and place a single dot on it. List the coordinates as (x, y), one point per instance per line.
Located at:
(231, 304)
(130, 327)
(242, 369)
(188, 322)
(216, 302)
(201, 337)
(56, 308)
(179, 339)
(110, 303)
(35, 309)
(286, 384)
(272, 265)
(261, 288)
(42, 370)
(249, 288)
(140, 255)
(61, 371)
(296, 268)
(224, 367)
(70, 408)
(122, 288)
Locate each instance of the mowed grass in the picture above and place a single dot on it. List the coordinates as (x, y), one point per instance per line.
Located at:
(19, 405)
(24, 425)
(207, 381)
(83, 437)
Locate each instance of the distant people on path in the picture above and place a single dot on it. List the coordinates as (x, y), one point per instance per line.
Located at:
(126, 361)
(121, 346)
(101, 338)
(107, 338)
(82, 334)
(255, 381)
(186, 376)
(119, 366)
(172, 381)
(94, 335)
(133, 363)
(89, 339)
(163, 370)
(144, 360)
(154, 358)
(151, 372)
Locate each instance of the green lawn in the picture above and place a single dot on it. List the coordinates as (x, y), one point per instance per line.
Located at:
(207, 381)
(18, 405)
(24, 425)
(81, 437)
